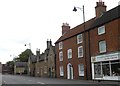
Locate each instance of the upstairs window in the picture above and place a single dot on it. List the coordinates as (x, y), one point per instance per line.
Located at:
(79, 38)
(60, 56)
(80, 51)
(60, 45)
(102, 46)
(101, 30)
(69, 53)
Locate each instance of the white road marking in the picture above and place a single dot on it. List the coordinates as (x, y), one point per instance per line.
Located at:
(30, 80)
(24, 79)
(40, 83)
(4, 82)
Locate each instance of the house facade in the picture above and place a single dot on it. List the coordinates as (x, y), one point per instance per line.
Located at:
(45, 65)
(105, 45)
(31, 65)
(82, 50)
(20, 68)
(0, 68)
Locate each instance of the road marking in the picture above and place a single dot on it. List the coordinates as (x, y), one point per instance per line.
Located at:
(40, 83)
(30, 80)
(24, 79)
(4, 82)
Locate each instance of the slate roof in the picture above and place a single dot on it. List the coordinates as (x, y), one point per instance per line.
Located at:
(92, 23)
(21, 64)
(33, 58)
(107, 17)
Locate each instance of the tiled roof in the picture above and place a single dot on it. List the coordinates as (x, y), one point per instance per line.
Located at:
(76, 30)
(92, 23)
(33, 58)
(107, 17)
(21, 64)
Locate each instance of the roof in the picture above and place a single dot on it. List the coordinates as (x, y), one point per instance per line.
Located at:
(76, 30)
(92, 23)
(21, 64)
(33, 58)
(107, 17)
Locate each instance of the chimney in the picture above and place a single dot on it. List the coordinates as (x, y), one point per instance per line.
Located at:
(49, 43)
(38, 52)
(65, 28)
(100, 8)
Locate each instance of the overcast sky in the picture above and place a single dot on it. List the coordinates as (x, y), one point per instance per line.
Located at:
(35, 21)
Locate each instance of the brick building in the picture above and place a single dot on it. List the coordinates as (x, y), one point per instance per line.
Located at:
(78, 49)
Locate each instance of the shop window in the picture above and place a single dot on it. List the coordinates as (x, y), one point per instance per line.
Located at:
(97, 70)
(115, 67)
(106, 68)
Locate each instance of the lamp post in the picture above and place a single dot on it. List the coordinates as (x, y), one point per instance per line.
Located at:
(29, 44)
(29, 64)
(84, 36)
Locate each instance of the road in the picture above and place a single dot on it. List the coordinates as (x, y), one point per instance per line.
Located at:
(27, 80)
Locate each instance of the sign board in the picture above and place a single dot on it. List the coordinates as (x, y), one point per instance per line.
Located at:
(105, 57)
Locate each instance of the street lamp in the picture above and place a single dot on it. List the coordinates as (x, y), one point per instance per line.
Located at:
(84, 36)
(29, 44)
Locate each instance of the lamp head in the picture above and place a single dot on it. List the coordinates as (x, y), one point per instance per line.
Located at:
(75, 9)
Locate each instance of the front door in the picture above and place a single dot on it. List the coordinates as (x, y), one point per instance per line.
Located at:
(69, 71)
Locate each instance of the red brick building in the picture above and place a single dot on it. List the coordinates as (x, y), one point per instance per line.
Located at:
(78, 49)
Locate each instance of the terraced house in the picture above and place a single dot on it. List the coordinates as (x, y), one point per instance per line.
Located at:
(91, 50)
(43, 65)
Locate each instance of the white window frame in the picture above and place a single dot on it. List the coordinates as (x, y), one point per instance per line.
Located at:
(60, 45)
(69, 51)
(81, 69)
(79, 38)
(60, 56)
(79, 51)
(102, 46)
(101, 30)
(61, 71)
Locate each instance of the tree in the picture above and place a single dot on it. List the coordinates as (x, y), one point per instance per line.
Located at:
(23, 57)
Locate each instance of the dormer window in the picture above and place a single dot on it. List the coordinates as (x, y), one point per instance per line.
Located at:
(101, 30)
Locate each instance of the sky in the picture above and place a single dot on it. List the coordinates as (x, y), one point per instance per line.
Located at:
(34, 21)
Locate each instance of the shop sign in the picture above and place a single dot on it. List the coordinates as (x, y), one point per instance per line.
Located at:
(106, 57)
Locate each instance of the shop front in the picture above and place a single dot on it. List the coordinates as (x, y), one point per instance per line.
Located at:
(106, 67)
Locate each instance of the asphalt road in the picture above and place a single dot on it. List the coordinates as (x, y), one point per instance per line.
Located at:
(14, 80)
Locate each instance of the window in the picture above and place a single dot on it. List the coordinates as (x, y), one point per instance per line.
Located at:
(69, 53)
(80, 51)
(60, 45)
(106, 68)
(45, 69)
(101, 30)
(79, 39)
(97, 70)
(102, 46)
(61, 71)
(81, 69)
(60, 56)
(115, 68)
